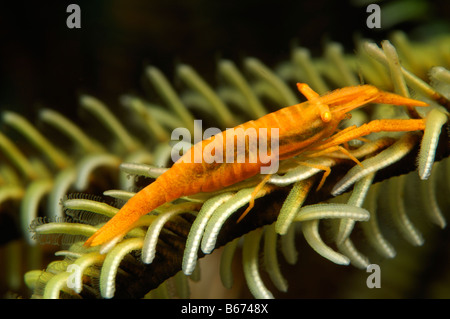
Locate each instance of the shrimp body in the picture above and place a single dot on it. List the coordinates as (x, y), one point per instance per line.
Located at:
(302, 128)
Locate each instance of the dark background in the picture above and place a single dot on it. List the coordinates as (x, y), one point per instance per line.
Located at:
(44, 63)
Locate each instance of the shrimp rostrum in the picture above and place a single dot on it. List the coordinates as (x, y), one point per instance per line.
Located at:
(310, 127)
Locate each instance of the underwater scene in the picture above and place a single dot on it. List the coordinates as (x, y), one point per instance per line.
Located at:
(225, 150)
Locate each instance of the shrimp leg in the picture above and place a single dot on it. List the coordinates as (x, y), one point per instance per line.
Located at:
(386, 125)
(255, 192)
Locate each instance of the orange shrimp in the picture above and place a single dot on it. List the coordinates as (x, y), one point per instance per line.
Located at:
(305, 128)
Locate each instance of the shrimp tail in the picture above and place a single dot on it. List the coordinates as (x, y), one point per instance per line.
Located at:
(127, 218)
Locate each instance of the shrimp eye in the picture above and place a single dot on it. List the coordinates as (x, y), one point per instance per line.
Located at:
(326, 116)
